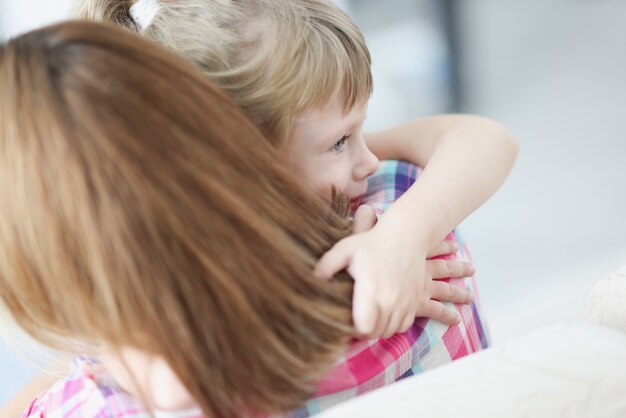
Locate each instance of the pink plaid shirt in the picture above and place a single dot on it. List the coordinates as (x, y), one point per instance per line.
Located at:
(368, 365)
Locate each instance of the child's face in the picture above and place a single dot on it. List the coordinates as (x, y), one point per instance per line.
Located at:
(327, 148)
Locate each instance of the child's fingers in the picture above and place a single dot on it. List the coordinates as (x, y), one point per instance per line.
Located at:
(365, 310)
(441, 269)
(394, 325)
(437, 310)
(364, 219)
(334, 260)
(382, 323)
(407, 322)
(445, 247)
(449, 293)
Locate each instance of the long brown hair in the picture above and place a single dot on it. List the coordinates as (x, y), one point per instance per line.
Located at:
(139, 207)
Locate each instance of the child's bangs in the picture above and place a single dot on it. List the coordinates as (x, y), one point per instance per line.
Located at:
(334, 66)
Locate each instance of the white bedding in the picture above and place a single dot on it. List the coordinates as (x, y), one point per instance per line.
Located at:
(572, 370)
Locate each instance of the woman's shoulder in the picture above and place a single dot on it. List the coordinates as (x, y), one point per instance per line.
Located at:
(89, 391)
(86, 392)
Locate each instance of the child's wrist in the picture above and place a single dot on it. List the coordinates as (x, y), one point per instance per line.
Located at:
(414, 236)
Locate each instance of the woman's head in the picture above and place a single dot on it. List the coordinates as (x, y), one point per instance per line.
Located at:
(139, 207)
(283, 61)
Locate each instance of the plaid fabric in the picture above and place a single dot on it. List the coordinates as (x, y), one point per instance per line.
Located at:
(90, 393)
(368, 365)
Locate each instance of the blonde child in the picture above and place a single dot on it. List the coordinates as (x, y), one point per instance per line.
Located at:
(301, 72)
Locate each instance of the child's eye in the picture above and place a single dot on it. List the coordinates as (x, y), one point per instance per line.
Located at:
(338, 146)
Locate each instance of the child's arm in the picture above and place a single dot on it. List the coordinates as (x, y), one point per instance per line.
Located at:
(465, 160)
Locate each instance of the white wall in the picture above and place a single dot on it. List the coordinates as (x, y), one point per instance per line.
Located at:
(555, 74)
(23, 15)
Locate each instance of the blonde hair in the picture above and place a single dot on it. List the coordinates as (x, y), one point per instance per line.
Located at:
(132, 214)
(276, 58)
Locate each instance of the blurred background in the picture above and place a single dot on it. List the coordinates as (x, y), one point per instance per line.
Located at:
(552, 72)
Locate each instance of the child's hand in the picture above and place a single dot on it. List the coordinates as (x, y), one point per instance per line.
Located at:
(364, 219)
(394, 285)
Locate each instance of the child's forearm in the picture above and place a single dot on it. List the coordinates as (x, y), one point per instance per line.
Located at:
(465, 160)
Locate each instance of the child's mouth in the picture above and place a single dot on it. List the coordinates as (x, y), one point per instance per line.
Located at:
(355, 203)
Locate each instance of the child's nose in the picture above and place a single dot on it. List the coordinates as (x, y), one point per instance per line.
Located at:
(368, 163)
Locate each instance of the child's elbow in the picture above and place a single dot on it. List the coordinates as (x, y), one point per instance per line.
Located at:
(500, 136)
(509, 142)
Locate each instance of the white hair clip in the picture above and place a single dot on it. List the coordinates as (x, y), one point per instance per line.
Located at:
(144, 11)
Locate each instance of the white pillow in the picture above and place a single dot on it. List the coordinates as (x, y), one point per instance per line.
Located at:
(572, 370)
